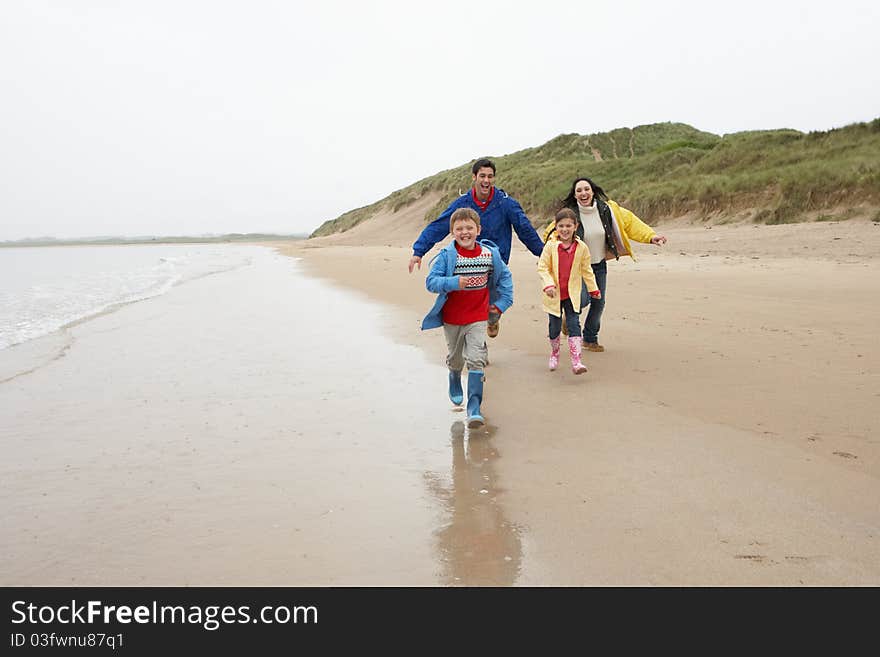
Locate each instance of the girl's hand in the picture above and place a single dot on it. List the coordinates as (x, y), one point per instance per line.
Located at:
(550, 291)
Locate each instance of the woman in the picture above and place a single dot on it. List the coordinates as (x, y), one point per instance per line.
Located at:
(607, 229)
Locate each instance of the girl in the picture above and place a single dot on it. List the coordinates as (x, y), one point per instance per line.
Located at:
(564, 263)
(608, 229)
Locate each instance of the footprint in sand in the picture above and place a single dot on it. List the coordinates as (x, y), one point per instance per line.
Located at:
(758, 558)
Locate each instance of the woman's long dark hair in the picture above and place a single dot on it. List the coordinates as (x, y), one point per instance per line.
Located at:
(571, 202)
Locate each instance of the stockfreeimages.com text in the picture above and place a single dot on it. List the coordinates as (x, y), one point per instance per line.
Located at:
(210, 617)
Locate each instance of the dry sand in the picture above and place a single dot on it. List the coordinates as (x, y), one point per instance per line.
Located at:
(267, 427)
(728, 435)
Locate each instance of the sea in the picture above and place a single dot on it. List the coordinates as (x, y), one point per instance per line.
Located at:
(43, 289)
(263, 440)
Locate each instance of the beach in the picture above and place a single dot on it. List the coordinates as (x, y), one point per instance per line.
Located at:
(286, 424)
(232, 431)
(728, 435)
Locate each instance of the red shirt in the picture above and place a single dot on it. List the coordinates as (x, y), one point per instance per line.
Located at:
(566, 259)
(483, 204)
(472, 303)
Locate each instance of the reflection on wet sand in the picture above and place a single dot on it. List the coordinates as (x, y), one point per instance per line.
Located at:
(478, 546)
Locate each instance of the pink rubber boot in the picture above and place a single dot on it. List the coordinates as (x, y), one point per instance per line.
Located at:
(574, 350)
(554, 353)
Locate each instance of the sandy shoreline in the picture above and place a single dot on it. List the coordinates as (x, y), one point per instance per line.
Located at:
(229, 432)
(729, 434)
(286, 424)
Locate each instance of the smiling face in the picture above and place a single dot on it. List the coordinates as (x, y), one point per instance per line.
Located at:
(583, 192)
(565, 228)
(484, 180)
(465, 232)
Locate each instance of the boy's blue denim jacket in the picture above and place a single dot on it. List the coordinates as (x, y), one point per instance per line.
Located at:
(442, 281)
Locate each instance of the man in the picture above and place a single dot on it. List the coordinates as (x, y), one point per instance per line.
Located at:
(499, 213)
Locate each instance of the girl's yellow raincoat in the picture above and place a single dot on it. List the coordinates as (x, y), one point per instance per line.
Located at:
(548, 270)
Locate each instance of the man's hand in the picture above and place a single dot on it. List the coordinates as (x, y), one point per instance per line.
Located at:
(415, 260)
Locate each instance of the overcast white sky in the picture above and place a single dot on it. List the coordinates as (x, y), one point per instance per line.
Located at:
(158, 117)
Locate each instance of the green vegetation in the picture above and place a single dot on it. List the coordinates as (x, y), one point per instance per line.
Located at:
(667, 170)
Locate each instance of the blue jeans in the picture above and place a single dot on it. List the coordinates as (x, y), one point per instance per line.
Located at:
(572, 321)
(594, 314)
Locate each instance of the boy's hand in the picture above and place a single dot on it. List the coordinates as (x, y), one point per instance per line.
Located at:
(415, 260)
(596, 294)
(462, 282)
(550, 291)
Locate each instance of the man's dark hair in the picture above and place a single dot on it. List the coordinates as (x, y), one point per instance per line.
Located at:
(482, 162)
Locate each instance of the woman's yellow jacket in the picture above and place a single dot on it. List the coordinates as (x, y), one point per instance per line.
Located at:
(626, 226)
(548, 270)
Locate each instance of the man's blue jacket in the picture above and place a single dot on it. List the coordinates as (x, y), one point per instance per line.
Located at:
(496, 221)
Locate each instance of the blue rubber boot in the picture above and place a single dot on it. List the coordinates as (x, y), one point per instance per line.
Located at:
(475, 398)
(456, 395)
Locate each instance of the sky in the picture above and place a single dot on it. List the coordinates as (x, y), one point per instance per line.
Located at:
(191, 117)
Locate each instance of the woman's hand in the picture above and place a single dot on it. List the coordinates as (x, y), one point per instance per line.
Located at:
(659, 240)
(550, 291)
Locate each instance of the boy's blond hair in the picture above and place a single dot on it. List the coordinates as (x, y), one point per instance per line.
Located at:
(461, 215)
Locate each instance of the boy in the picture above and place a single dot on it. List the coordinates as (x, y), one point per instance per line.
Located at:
(467, 276)
(501, 215)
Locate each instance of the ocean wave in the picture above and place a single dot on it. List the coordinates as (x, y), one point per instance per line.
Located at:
(67, 287)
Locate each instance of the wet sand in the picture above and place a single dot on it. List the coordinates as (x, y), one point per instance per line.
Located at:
(728, 435)
(253, 427)
(268, 427)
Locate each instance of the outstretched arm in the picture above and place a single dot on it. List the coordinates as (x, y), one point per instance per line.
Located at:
(523, 227)
(637, 229)
(430, 235)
